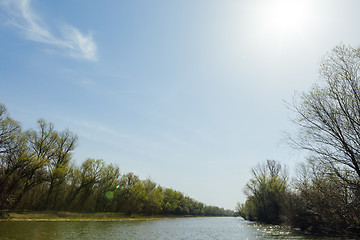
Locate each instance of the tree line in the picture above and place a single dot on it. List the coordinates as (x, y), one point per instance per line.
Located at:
(324, 197)
(37, 172)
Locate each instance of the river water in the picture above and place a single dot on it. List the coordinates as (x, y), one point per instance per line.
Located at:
(226, 228)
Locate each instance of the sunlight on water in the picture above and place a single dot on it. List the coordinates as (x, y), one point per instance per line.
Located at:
(181, 228)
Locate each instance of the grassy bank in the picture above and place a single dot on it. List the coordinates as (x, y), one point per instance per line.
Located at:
(75, 216)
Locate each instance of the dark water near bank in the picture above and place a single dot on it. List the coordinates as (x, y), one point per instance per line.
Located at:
(183, 228)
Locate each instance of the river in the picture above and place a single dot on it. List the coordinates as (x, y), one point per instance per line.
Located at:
(226, 228)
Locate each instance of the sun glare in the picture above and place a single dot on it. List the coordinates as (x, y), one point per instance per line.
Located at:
(286, 17)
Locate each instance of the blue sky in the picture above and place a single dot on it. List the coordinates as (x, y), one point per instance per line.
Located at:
(188, 93)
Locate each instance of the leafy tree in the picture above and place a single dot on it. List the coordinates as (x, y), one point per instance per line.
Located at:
(9, 131)
(109, 179)
(58, 164)
(132, 194)
(85, 178)
(37, 173)
(171, 202)
(13, 157)
(42, 144)
(153, 198)
(32, 158)
(266, 191)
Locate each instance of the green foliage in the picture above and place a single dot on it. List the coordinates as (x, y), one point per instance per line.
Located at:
(37, 173)
(320, 201)
(153, 198)
(266, 193)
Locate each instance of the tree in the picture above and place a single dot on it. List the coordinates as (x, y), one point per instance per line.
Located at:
(109, 179)
(132, 194)
(329, 114)
(36, 173)
(328, 118)
(9, 130)
(153, 199)
(14, 156)
(266, 192)
(41, 143)
(171, 202)
(58, 164)
(322, 202)
(84, 180)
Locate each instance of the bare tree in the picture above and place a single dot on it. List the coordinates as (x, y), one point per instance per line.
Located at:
(329, 114)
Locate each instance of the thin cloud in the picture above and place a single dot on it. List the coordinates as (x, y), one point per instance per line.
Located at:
(19, 14)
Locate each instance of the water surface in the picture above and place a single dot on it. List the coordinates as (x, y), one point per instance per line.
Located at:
(200, 228)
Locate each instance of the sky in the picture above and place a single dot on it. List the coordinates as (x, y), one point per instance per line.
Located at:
(189, 93)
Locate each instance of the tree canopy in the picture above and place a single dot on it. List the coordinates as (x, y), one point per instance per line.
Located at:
(37, 172)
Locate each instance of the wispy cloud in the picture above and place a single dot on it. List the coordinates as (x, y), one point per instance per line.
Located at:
(20, 15)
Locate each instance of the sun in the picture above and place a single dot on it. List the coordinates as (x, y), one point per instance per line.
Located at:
(285, 17)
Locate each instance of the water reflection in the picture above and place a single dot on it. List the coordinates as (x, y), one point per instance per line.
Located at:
(182, 228)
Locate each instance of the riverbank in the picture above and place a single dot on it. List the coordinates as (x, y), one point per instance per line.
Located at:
(75, 216)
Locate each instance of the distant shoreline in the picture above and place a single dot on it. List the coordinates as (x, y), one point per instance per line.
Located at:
(79, 217)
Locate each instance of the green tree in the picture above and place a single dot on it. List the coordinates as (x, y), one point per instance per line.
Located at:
(153, 198)
(14, 156)
(132, 194)
(41, 144)
(9, 131)
(58, 165)
(84, 180)
(109, 179)
(266, 192)
(171, 202)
